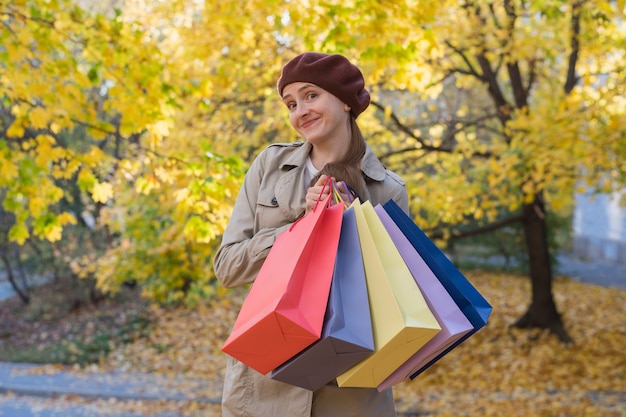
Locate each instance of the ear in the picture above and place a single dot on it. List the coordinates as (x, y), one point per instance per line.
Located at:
(347, 108)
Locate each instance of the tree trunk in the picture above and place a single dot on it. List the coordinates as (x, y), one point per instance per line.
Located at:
(542, 312)
(22, 293)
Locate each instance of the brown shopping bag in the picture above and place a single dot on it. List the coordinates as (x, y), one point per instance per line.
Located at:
(402, 322)
(284, 310)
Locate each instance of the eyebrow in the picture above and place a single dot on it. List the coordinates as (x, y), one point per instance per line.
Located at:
(305, 86)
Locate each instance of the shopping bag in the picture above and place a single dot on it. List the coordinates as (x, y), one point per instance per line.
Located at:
(347, 331)
(401, 320)
(453, 322)
(470, 301)
(284, 310)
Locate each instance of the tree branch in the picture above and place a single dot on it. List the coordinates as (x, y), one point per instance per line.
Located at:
(448, 139)
(404, 129)
(484, 229)
(572, 78)
(515, 75)
(471, 70)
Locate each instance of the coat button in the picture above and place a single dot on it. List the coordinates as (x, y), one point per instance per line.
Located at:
(274, 201)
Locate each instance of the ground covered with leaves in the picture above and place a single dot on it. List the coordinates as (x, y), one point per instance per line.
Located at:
(68, 322)
(500, 371)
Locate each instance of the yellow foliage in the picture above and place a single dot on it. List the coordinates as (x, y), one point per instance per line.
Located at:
(8, 170)
(66, 218)
(94, 157)
(52, 233)
(86, 179)
(19, 233)
(16, 129)
(46, 152)
(37, 205)
(155, 107)
(39, 117)
(102, 192)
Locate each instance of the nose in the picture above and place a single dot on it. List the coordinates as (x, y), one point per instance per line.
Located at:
(302, 110)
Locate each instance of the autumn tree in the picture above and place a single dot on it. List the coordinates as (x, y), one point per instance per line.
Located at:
(81, 71)
(512, 104)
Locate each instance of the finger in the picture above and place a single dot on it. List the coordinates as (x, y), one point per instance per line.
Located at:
(312, 198)
(321, 180)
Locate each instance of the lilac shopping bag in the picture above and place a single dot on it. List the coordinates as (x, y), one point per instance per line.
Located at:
(453, 322)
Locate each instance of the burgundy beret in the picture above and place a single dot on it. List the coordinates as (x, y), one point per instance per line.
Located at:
(334, 73)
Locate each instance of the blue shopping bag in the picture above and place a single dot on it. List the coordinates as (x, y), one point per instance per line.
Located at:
(473, 305)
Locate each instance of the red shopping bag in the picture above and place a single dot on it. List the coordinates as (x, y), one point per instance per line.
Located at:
(284, 310)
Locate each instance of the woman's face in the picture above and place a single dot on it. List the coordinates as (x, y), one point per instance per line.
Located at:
(315, 113)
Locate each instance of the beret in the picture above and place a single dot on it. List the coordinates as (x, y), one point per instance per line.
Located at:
(332, 72)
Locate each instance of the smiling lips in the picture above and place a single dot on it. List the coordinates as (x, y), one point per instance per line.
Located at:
(308, 123)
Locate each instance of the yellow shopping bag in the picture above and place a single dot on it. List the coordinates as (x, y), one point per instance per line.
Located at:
(401, 320)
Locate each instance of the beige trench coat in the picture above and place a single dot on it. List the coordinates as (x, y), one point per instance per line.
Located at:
(270, 200)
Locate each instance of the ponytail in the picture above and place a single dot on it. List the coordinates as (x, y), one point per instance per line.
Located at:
(348, 169)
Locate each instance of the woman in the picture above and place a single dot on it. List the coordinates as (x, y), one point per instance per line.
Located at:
(324, 95)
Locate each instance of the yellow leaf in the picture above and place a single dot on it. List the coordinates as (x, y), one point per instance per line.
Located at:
(18, 233)
(86, 179)
(16, 130)
(98, 134)
(39, 117)
(37, 205)
(94, 156)
(65, 218)
(54, 233)
(8, 170)
(102, 192)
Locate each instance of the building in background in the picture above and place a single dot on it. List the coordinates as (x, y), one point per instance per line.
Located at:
(599, 230)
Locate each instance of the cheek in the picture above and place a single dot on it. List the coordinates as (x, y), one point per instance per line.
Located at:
(293, 120)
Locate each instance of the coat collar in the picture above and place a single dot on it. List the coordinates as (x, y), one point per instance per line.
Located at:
(370, 164)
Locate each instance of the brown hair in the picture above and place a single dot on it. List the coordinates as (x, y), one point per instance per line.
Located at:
(348, 169)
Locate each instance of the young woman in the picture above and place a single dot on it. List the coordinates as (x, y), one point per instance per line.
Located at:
(324, 94)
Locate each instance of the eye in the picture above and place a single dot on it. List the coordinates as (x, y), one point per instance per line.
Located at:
(291, 105)
(311, 96)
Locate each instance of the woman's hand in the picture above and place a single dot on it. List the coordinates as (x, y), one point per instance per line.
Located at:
(318, 192)
(344, 193)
